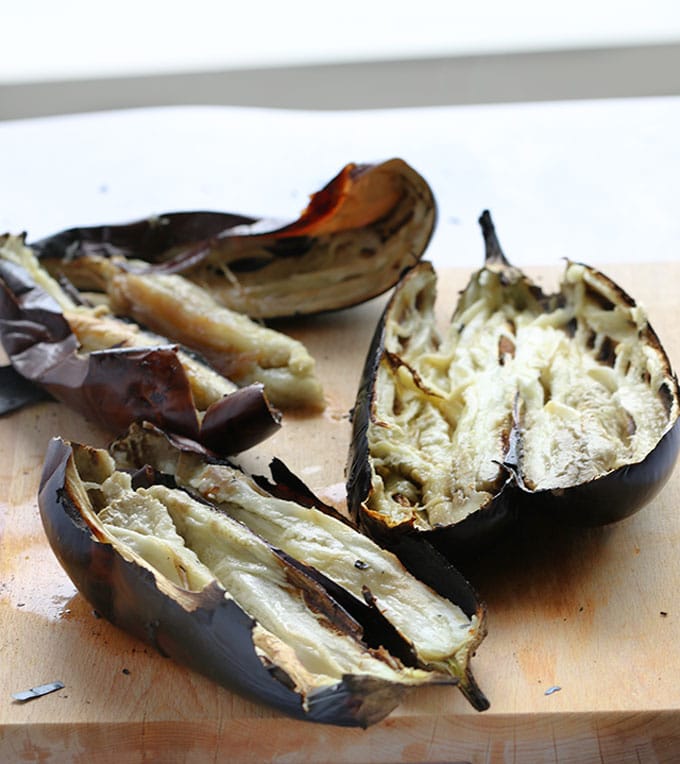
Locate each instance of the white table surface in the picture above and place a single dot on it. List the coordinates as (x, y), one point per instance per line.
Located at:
(597, 181)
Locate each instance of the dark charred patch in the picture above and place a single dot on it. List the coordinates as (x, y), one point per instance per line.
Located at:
(550, 302)
(317, 599)
(250, 264)
(399, 498)
(276, 672)
(422, 301)
(598, 298)
(666, 396)
(570, 327)
(292, 246)
(607, 352)
(395, 362)
(346, 614)
(147, 476)
(394, 223)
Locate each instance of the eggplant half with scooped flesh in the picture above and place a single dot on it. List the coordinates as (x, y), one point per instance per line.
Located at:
(564, 404)
(353, 241)
(257, 585)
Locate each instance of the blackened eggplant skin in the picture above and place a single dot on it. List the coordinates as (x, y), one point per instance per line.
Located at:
(617, 360)
(118, 386)
(210, 632)
(356, 237)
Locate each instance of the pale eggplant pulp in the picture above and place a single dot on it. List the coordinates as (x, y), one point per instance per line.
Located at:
(562, 405)
(175, 569)
(354, 240)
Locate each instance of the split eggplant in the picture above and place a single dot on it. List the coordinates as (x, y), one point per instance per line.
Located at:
(111, 371)
(257, 585)
(562, 404)
(356, 237)
(235, 346)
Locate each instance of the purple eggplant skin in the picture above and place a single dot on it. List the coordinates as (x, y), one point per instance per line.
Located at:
(118, 386)
(204, 631)
(612, 497)
(365, 227)
(602, 500)
(153, 236)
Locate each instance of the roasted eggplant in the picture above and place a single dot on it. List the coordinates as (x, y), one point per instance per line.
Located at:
(564, 405)
(235, 346)
(279, 599)
(353, 241)
(113, 373)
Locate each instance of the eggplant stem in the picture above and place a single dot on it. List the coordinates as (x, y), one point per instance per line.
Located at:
(494, 253)
(473, 693)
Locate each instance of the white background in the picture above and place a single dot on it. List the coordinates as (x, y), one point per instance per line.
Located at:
(44, 40)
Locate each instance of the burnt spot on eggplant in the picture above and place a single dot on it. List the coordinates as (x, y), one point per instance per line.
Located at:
(259, 593)
(565, 404)
(246, 265)
(358, 234)
(292, 246)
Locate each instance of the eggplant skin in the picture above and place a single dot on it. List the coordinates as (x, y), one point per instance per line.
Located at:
(204, 631)
(614, 346)
(358, 234)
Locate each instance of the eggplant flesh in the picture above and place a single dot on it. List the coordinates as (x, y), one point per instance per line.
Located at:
(567, 397)
(238, 347)
(186, 571)
(324, 540)
(353, 241)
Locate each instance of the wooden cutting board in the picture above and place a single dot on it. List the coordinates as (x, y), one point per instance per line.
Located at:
(581, 664)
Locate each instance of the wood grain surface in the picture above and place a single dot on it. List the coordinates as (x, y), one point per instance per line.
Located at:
(595, 613)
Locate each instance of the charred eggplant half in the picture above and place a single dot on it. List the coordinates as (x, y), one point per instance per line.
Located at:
(561, 404)
(277, 599)
(236, 347)
(111, 371)
(353, 241)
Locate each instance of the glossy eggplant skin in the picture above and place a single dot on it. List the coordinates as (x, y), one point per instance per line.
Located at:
(205, 630)
(358, 234)
(604, 499)
(119, 386)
